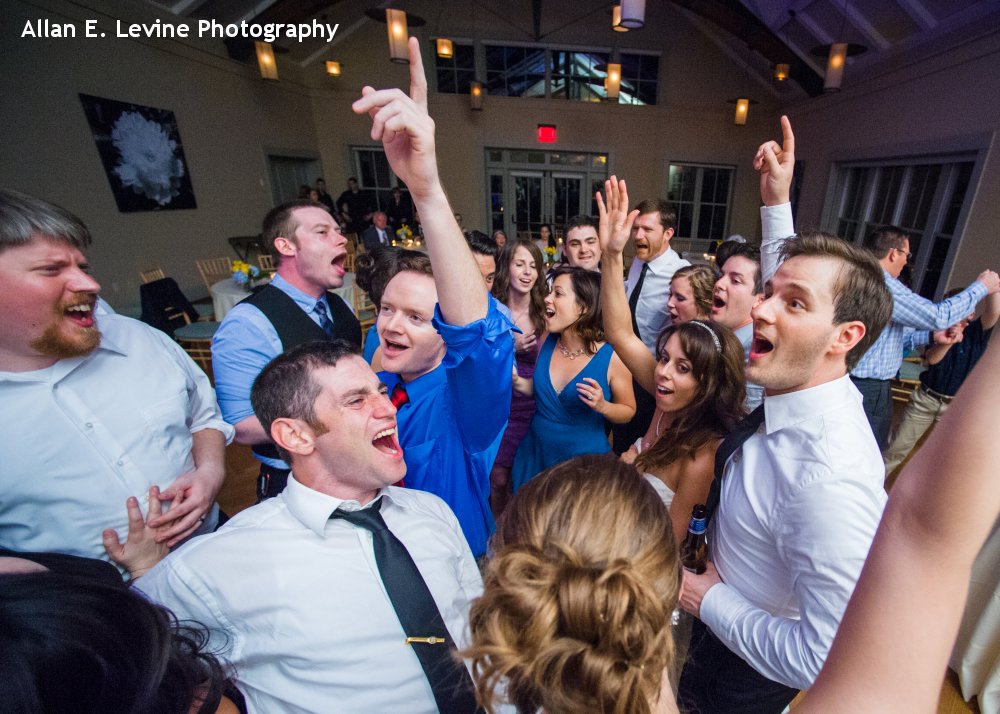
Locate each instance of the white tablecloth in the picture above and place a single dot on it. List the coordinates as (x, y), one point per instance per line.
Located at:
(976, 657)
(226, 293)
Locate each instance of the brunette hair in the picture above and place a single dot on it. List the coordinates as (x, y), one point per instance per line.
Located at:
(575, 615)
(587, 287)
(701, 278)
(732, 249)
(717, 405)
(78, 645)
(501, 284)
(859, 293)
(373, 271)
(280, 223)
(885, 238)
(667, 213)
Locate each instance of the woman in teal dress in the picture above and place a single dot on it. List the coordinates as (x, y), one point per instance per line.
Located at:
(579, 382)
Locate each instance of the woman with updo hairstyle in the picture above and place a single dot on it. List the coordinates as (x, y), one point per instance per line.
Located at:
(691, 293)
(578, 595)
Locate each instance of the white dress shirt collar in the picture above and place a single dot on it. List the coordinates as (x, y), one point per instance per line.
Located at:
(313, 508)
(667, 260)
(784, 410)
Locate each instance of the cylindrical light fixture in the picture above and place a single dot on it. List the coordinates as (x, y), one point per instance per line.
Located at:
(633, 14)
(476, 96)
(742, 110)
(613, 82)
(616, 19)
(395, 22)
(265, 60)
(781, 71)
(445, 49)
(835, 67)
(333, 68)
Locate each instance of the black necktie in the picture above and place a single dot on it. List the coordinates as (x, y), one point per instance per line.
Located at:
(734, 440)
(633, 300)
(422, 623)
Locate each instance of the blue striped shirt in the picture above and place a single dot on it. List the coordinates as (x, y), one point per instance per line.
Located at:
(912, 317)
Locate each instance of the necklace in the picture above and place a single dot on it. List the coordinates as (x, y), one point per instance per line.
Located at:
(566, 353)
(646, 443)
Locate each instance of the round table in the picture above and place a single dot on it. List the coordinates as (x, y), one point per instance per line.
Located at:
(226, 294)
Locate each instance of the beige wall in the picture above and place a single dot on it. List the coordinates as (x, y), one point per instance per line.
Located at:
(945, 103)
(225, 113)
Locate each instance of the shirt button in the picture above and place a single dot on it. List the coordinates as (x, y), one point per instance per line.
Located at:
(89, 425)
(121, 462)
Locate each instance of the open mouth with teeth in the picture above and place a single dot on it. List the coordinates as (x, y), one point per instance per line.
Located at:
(387, 443)
(550, 312)
(81, 315)
(662, 391)
(760, 346)
(338, 263)
(391, 349)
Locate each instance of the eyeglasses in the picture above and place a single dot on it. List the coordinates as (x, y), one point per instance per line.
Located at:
(907, 253)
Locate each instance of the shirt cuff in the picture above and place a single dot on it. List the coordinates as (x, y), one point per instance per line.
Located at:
(720, 607)
(462, 341)
(776, 221)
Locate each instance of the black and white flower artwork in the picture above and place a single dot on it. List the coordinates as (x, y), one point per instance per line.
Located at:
(141, 150)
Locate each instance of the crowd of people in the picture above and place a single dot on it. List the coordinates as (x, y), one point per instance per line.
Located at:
(482, 510)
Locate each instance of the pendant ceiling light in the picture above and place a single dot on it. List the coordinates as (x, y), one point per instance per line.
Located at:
(265, 60)
(395, 21)
(633, 14)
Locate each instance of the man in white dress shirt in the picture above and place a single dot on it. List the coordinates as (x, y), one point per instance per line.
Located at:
(800, 502)
(648, 288)
(296, 598)
(97, 408)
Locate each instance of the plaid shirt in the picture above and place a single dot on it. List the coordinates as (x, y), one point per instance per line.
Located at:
(913, 317)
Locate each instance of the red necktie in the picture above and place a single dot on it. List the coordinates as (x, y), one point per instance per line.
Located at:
(399, 397)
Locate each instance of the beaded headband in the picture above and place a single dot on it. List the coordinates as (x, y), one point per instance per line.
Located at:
(715, 337)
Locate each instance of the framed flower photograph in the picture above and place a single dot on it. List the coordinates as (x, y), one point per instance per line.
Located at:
(142, 154)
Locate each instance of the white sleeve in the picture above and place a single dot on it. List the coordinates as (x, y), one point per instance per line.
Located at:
(823, 539)
(777, 227)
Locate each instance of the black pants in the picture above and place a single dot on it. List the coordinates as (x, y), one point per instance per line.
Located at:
(877, 395)
(716, 680)
(271, 481)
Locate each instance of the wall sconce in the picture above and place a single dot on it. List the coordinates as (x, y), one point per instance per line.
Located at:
(613, 82)
(395, 21)
(265, 60)
(742, 110)
(616, 19)
(476, 96)
(445, 49)
(781, 72)
(633, 14)
(333, 68)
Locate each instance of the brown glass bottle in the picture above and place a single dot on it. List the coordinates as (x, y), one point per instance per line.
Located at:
(694, 549)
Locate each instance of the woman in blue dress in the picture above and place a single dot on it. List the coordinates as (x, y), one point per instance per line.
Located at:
(579, 382)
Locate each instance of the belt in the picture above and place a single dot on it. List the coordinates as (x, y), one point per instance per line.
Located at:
(937, 395)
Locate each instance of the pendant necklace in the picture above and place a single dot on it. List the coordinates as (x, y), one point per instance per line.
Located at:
(566, 353)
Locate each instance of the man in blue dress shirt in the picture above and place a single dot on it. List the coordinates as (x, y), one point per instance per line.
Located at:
(443, 339)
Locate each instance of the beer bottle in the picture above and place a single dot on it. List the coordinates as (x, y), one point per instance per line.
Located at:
(694, 550)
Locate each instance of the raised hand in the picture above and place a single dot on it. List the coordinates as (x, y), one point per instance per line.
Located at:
(775, 165)
(404, 127)
(141, 549)
(616, 221)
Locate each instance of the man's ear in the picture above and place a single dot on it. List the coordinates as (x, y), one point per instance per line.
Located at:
(848, 334)
(668, 233)
(294, 436)
(285, 246)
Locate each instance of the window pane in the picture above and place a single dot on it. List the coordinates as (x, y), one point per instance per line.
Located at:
(957, 197)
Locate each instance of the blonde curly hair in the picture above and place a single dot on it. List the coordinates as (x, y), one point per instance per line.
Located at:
(575, 612)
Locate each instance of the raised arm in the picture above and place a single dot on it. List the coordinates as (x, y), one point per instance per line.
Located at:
(901, 622)
(776, 165)
(613, 232)
(406, 131)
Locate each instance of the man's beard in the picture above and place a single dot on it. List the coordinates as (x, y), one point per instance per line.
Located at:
(55, 343)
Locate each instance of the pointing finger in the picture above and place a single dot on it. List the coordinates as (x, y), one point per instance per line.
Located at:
(418, 80)
(788, 138)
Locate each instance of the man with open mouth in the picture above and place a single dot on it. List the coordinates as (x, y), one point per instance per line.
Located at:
(798, 490)
(344, 593)
(446, 348)
(296, 307)
(98, 408)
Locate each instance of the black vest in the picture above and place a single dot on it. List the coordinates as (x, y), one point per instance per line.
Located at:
(295, 327)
